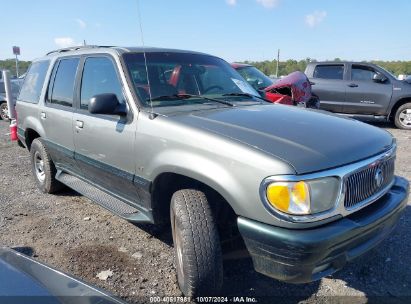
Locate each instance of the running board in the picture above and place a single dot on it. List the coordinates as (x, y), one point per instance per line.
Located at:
(103, 198)
(366, 117)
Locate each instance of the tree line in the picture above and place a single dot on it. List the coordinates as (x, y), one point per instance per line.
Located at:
(267, 66)
(10, 64)
(289, 66)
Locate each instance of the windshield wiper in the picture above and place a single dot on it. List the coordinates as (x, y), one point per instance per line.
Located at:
(240, 94)
(188, 96)
(246, 95)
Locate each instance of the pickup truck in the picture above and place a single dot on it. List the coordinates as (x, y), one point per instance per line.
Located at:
(361, 90)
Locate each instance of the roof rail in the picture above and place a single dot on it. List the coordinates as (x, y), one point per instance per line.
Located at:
(77, 48)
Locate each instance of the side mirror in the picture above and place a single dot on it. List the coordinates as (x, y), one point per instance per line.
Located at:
(106, 104)
(378, 77)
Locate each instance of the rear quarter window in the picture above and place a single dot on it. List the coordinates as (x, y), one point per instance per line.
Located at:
(34, 81)
(335, 71)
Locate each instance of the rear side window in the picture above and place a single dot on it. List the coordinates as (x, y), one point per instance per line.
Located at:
(99, 77)
(329, 71)
(62, 90)
(33, 82)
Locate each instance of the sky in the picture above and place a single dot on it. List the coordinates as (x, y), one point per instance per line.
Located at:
(235, 30)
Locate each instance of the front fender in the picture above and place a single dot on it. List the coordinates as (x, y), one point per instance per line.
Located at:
(233, 169)
(396, 101)
(202, 169)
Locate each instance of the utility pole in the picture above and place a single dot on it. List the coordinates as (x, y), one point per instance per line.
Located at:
(278, 62)
(17, 67)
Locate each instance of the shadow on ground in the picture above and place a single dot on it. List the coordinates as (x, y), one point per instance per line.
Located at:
(383, 274)
(29, 251)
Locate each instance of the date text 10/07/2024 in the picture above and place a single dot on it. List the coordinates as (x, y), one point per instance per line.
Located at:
(203, 299)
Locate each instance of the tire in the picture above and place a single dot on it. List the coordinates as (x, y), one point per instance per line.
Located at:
(314, 102)
(43, 168)
(402, 117)
(4, 112)
(197, 247)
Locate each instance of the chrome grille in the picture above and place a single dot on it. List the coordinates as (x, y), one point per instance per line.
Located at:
(363, 184)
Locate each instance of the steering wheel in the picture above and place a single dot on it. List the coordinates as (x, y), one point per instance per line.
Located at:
(213, 87)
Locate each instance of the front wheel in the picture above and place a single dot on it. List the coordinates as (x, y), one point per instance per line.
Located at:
(402, 118)
(197, 246)
(4, 111)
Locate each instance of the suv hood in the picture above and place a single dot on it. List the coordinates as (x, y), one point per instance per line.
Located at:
(308, 140)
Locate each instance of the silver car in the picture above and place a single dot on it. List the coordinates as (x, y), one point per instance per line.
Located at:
(179, 138)
(15, 88)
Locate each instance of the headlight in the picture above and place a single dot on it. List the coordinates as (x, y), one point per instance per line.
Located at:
(303, 197)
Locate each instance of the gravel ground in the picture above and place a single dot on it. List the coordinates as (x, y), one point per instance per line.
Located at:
(72, 234)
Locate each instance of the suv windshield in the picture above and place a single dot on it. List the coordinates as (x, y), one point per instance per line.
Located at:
(173, 79)
(255, 77)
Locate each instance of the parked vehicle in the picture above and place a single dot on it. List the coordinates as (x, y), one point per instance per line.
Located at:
(293, 89)
(15, 88)
(25, 280)
(253, 76)
(306, 191)
(362, 90)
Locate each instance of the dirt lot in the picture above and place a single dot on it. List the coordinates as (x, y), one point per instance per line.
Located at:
(77, 236)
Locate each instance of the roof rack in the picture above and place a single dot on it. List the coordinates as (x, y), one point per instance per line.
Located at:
(77, 48)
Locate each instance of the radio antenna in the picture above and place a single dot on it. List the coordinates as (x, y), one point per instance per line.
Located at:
(145, 57)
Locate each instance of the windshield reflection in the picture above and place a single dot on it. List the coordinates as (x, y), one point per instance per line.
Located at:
(171, 76)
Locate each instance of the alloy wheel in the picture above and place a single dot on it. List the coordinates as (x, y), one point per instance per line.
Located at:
(4, 112)
(405, 117)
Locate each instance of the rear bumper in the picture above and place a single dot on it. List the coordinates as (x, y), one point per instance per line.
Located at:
(305, 255)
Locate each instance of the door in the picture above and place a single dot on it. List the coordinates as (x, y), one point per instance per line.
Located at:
(57, 115)
(329, 85)
(364, 95)
(104, 144)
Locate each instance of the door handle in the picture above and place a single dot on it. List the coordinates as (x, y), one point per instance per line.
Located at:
(43, 115)
(353, 85)
(312, 83)
(79, 124)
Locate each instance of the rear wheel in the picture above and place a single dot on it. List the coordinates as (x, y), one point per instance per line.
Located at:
(197, 246)
(402, 118)
(4, 112)
(43, 168)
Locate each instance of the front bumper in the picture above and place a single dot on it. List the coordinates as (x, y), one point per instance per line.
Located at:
(305, 255)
